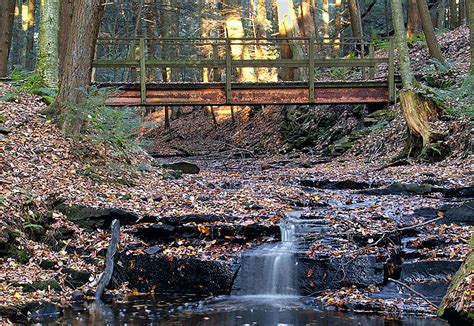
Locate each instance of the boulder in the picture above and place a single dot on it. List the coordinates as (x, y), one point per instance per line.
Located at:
(412, 271)
(463, 213)
(184, 167)
(75, 279)
(91, 218)
(316, 274)
(458, 304)
(398, 188)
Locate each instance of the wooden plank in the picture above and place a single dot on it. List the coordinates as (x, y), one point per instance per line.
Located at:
(250, 96)
(258, 63)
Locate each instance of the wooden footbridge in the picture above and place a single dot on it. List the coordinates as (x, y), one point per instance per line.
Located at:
(224, 71)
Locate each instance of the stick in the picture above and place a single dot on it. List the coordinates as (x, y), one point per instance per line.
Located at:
(109, 259)
(415, 292)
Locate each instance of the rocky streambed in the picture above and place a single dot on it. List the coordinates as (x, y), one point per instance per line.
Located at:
(379, 246)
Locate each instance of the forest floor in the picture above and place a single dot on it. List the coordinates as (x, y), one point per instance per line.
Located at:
(48, 254)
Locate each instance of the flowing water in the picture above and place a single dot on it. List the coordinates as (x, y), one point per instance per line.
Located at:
(269, 270)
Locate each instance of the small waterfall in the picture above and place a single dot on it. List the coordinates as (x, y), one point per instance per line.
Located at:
(270, 269)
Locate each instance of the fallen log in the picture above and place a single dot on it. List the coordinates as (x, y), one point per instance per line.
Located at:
(106, 276)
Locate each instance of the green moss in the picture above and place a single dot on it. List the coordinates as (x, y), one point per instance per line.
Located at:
(456, 287)
(22, 256)
(43, 286)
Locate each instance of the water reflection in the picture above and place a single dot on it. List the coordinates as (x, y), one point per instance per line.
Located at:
(225, 310)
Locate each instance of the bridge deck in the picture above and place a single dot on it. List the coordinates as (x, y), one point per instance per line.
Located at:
(170, 94)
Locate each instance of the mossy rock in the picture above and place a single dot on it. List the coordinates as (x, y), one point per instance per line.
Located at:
(43, 286)
(22, 256)
(458, 304)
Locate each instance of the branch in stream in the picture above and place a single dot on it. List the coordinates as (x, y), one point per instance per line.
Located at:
(414, 291)
(106, 276)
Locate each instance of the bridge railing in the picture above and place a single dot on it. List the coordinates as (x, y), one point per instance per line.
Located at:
(243, 60)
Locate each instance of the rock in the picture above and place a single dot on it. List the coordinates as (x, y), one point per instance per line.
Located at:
(463, 213)
(306, 164)
(184, 167)
(75, 279)
(339, 185)
(399, 188)
(458, 304)
(48, 264)
(196, 218)
(77, 296)
(41, 312)
(203, 198)
(412, 271)
(231, 232)
(464, 192)
(91, 218)
(178, 275)
(153, 250)
(336, 272)
(4, 131)
(43, 286)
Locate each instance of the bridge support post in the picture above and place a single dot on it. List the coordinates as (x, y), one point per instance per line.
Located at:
(372, 56)
(312, 95)
(142, 71)
(228, 71)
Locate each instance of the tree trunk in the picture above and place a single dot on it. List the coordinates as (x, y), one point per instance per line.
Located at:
(308, 28)
(462, 12)
(417, 111)
(289, 23)
(30, 36)
(471, 33)
(235, 29)
(453, 14)
(428, 30)
(7, 13)
(356, 21)
(18, 43)
(441, 14)
(66, 9)
(337, 28)
(325, 17)
(47, 64)
(80, 50)
(413, 23)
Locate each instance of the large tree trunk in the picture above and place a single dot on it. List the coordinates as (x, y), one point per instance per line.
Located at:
(441, 14)
(308, 27)
(30, 36)
(471, 32)
(428, 30)
(80, 50)
(417, 110)
(48, 61)
(453, 14)
(66, 10)
(337, 28)
(7, 12)
(413, 23)
(235, 30)
(18, 42)
(356, 21)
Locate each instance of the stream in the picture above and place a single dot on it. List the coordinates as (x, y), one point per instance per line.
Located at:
(265, 292)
